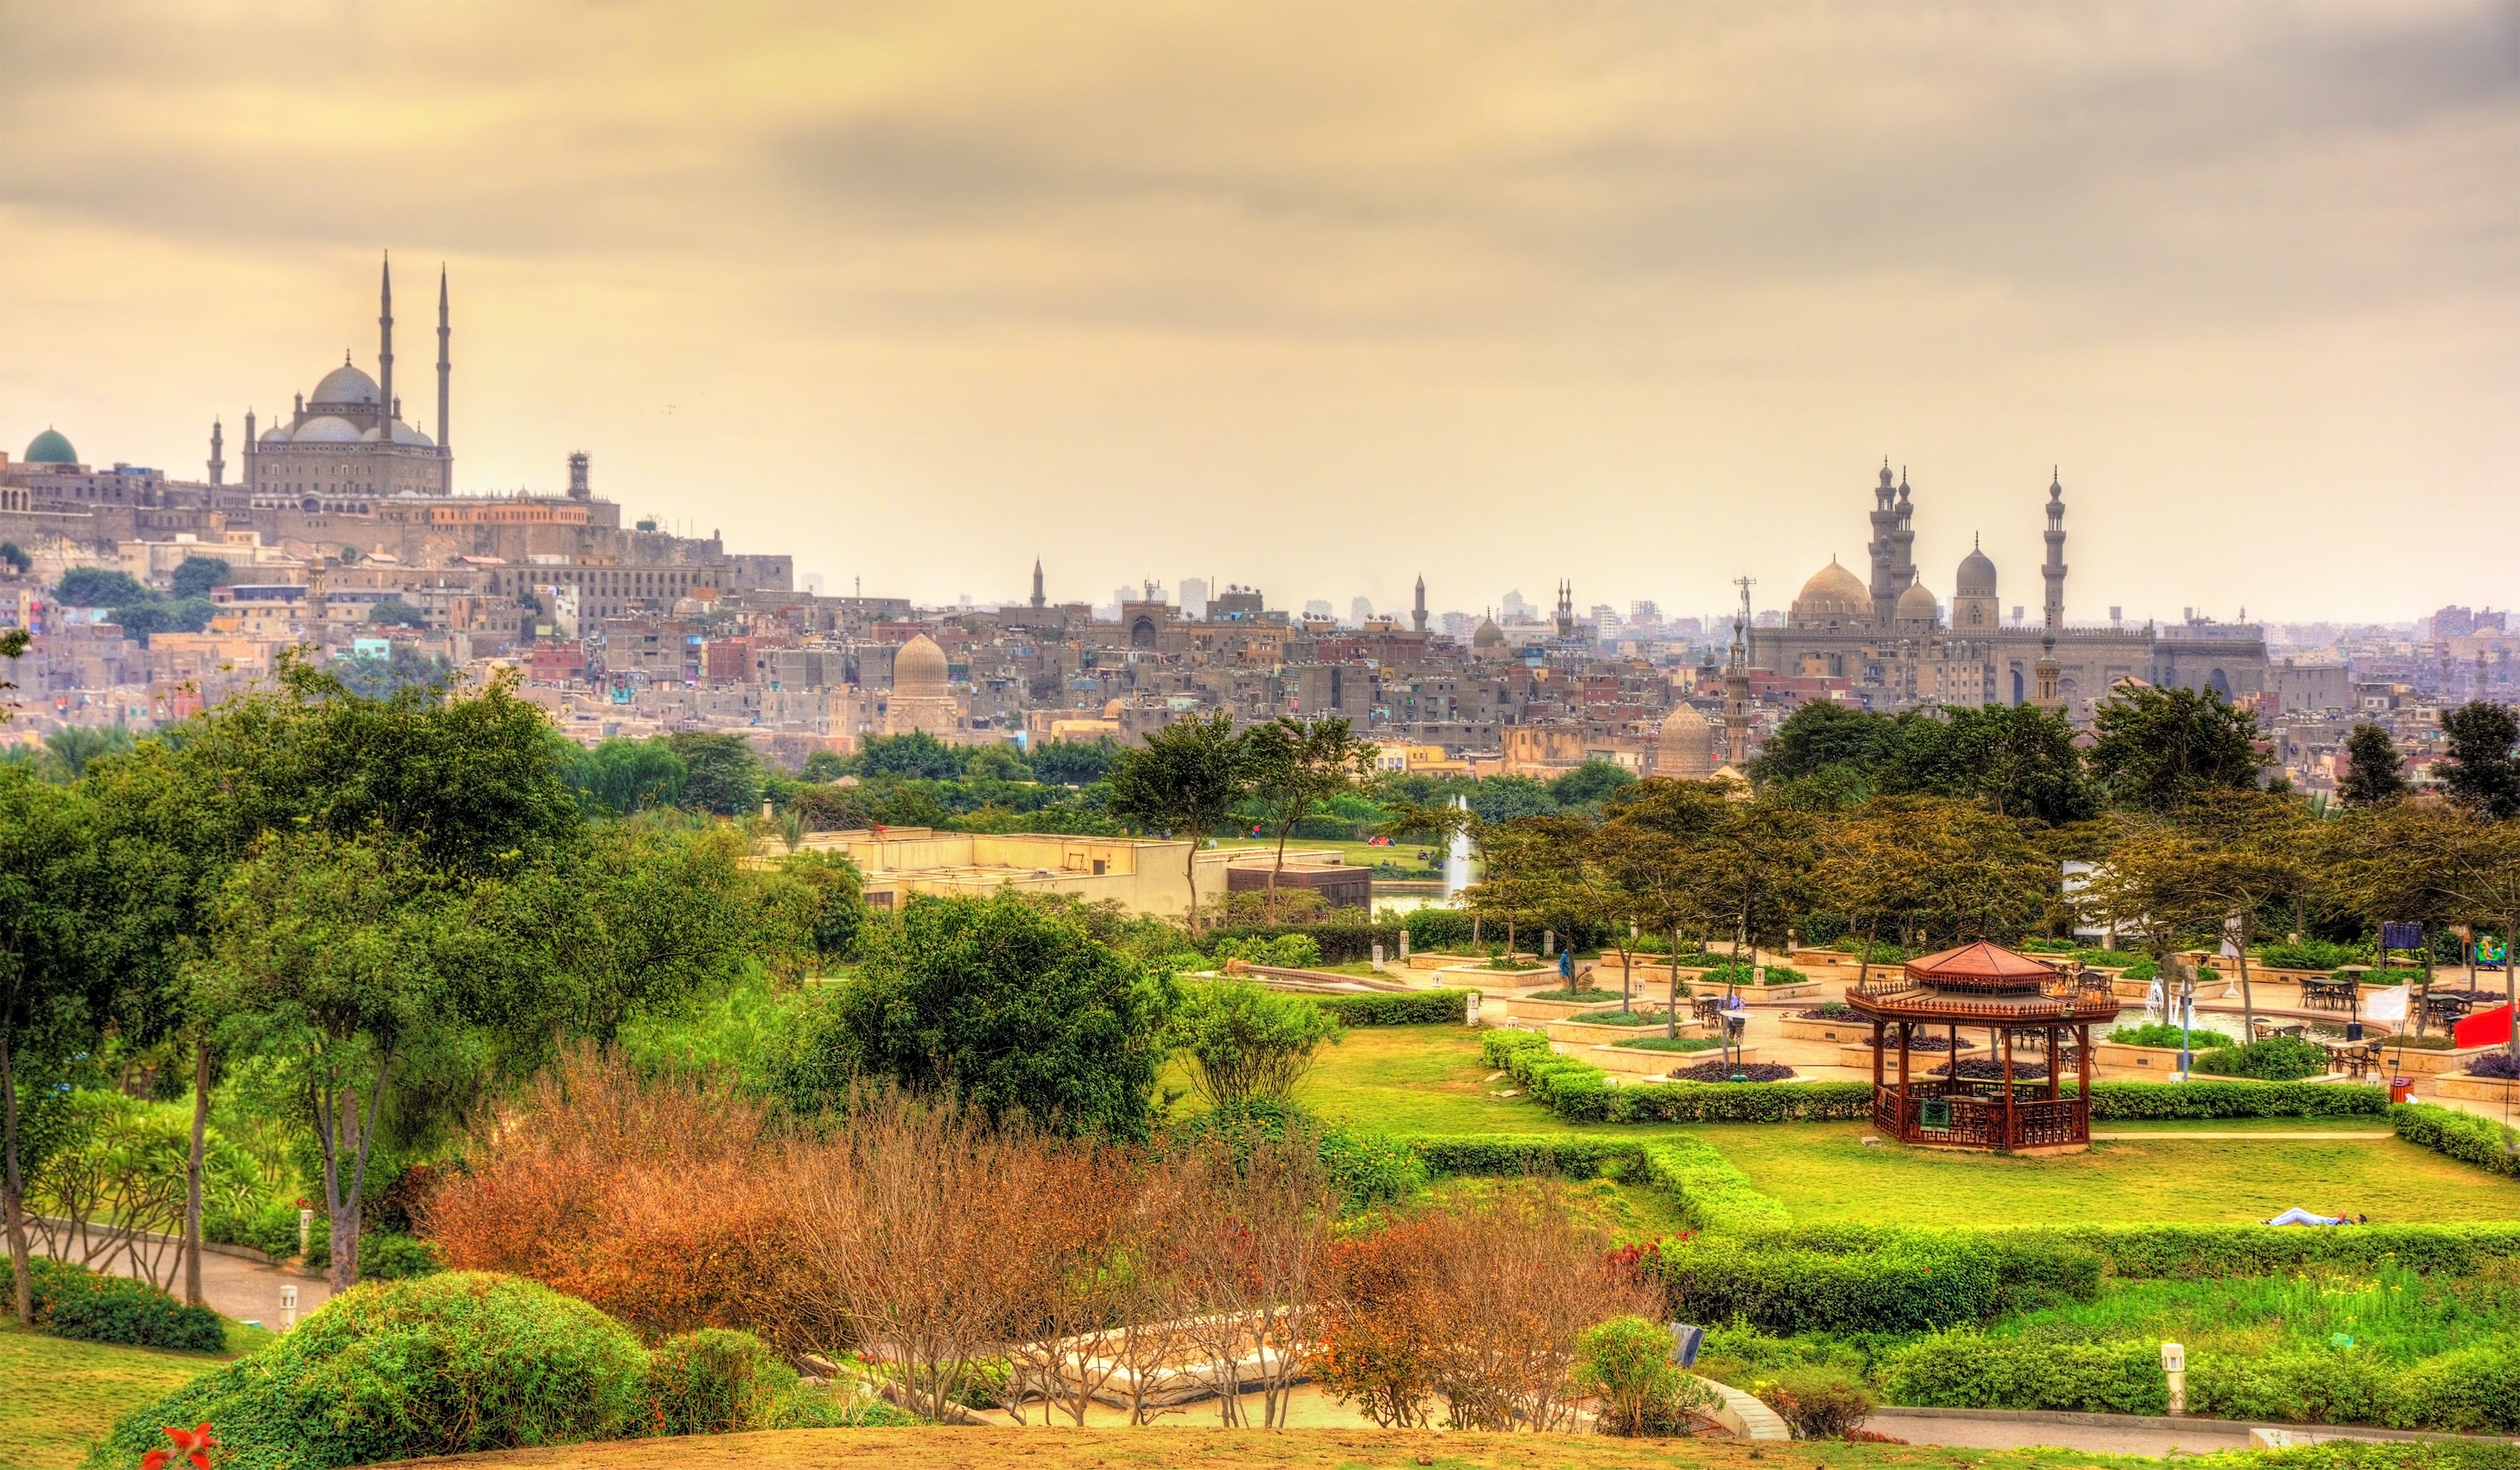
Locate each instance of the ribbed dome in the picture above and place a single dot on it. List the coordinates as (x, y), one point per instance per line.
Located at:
(1832, 595)
(1687, 746)
(50, 448)
(1916, 606)
(1488, 636)
(919, 670)
(345, 384)
(1977, 575)
(326, 430)
(403, 433)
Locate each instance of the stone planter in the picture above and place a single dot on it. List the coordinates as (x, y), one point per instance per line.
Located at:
(1860, 1058)
(2420, 1064)
(1526, 1009)
(2468, 1089)
(1633, 1062)
(1578, 1033)
(1849, 1029)
(2138, 1061)
(1809, 989)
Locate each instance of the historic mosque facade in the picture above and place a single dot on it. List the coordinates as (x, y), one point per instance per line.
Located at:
(347, 445)
(1888, 639)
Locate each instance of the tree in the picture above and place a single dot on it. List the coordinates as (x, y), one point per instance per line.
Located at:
(918, 755)
(996, 763)
(2372, 778)
(2019, 760)
(1184, 781)
(394, 612)
(53, 995)
(15, 559)
(2156, 747)
(723, 774)
(196, 575)
(1930, 866)
(346, 956)
(2245, 854)
(1012, 1007)
(95, 587)
(1648, 852)
(1589, 784)
(69, 750)
(1245, 1042)
(1074, 763)
(1820, 736)
(625, 776)
(1296, 769)
(2481, 771)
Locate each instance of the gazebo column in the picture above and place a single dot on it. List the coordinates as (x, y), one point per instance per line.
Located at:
(2083, 1050)
(1904, 1129)
(2011, 1124)
(2055, 1064)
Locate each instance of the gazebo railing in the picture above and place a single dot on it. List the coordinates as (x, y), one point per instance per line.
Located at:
(1960, 1115)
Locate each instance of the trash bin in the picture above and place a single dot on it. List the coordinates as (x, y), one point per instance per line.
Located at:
(2402, 1090)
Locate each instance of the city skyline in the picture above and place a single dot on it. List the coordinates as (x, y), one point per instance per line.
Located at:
(1633, 298)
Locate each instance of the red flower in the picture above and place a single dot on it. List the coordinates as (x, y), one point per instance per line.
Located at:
(196, 1444)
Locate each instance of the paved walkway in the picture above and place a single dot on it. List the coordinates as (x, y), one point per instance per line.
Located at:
(2198, 1438)
(248, 1291)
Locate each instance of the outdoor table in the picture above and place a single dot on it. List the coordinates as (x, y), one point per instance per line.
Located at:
(2337, 993)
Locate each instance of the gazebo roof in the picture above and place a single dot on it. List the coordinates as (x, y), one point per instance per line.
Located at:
(1980, 966)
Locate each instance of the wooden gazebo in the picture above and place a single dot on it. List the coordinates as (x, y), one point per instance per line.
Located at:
(2015, 997)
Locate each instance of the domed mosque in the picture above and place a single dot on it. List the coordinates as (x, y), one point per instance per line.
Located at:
(50, 447)
(348, 444)
(921, 699)
(1685, 747)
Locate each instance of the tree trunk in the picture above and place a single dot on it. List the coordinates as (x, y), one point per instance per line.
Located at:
(1671, 1013)
(1189, 875)
(13, 1185)
(192, 1173)
(2510, 995)
(1285, 831)
(2248, 1000)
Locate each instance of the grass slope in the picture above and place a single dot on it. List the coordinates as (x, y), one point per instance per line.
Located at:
(1430, 1080)
(1165, 1447)
(58, 1396)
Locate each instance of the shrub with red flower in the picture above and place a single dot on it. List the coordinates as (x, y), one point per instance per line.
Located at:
(193, 1444)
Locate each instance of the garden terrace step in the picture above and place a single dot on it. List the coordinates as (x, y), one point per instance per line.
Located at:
(1637, 1062)
(2468, 1089)
(1584, 1033)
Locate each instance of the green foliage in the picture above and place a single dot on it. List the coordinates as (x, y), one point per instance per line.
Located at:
(1369, 1169)
(713, 1381)
(1742, 972)
(1885, 1281)
(1336, 939)
(196, 575)
(1417, 1007)
(2158, 747)
(917, 754)
(1292, 950)
(1512, 1155)
(387, 1257)
(1243, 1041)
(1682, 1044)
(2372, 778)
(2489, 1144)
(1074, 763)
(2158, 1034)
(2277, 1058)
(1816, 1403)
(1713, 1194)
(451, 1363)
(1589, 784)
(72, 1300)
(2311, 954)
(394, 612)
(14, 557)
(2483, 773)
(95, 586)
(1438, 929)
(724, 776)
(2113, 1101)
(2366, 1454)
(2016, 760)
(1625, 1363)
(1964, 1369)
(741, 1036)
(2474, 1391)
(1014, 1006)
(622, 775)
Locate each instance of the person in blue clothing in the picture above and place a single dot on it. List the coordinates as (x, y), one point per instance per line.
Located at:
(1565, 964)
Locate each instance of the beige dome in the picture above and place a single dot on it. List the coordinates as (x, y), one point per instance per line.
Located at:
(1977, 575)
(1687, 746)
(1831, 596)
(1917, 605)
(919, 670)
(1488, 634)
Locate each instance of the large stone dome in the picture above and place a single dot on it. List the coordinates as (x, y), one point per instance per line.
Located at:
(1488, 634)
(919, 670)
(50, 448)
(1917, 605)
(403, 433)
(1831, 596)
(345, 384)
(1685, 748)
(1977, 575)
(327, 429)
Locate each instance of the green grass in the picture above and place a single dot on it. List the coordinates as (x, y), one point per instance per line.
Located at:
(62, 1396)
(2395, 1314)
(1430, 1080)
(1402, 855)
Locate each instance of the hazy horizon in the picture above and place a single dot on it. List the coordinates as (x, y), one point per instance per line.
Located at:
(1324, 298)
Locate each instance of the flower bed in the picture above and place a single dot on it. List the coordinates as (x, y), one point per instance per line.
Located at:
(1721, 1072)
(1616, 1018)
(1668, 1044)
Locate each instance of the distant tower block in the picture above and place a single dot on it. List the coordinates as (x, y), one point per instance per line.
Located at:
(578, 486)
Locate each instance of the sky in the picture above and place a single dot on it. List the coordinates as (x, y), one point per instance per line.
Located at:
(1324, 297)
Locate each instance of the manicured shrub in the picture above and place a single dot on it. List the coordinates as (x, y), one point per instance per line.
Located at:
(2314, 1387)
(2119, 1100)
(1816, 1403)
(2366, 1454)
(2311, 954)
(1967, 1370)
(448, 1363)
(1334, 941)
(1423, 1007)
(1713, 1194)
(2161, 1034)
(2499, 1064)
(713, 1381)
(1370, 1168)
(1916, 1285)
(1243, 1041)
(1287, 952)
(1438, 928)
(2476, 1390)
(1625, 1363)
(2464, 1137)
(2277, 1058)
(72, 1300)
(396, 1258)
(1510, 1155)
(271, 1229)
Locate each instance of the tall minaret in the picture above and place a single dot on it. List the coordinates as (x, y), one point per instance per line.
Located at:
(1736, 684)
(445, 366)
(1885, 521)
(1039, 601)
(218, 461)
(1903, 545)
(249, 449)
(2055, 570)
(384, 380)
(1565, 610)
(1417, 615)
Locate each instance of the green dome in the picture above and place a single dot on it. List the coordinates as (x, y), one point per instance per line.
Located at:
(50, 448)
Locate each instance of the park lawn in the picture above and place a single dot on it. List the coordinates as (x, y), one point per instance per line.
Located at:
(1401, 855)
(62, 1396)
(1166, 1447)
(1430, 1080)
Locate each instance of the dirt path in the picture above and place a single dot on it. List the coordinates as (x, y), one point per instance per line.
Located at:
(248, 1291)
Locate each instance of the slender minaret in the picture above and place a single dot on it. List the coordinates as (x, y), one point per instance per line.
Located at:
(218, 460)
(1417, 615)
(249, 449)
(1039, 601)
(2054, 571)
(1885, 521)
(385, 460)
(1736, 684)
(445, 366)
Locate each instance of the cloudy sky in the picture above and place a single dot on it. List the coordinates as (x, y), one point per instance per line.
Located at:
(1322, 297)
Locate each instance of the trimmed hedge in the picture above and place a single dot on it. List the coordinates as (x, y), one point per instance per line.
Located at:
(2277, 1058)
(1964, 1370)
(1424, 1008)
(72, 1300)
(1505, 1155)
(2464, 1137)
(1712, 1194)
(1339, 943)
(2112, 1100)
(1831, 1280)
(2200, 1252)
(2364, 1454)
